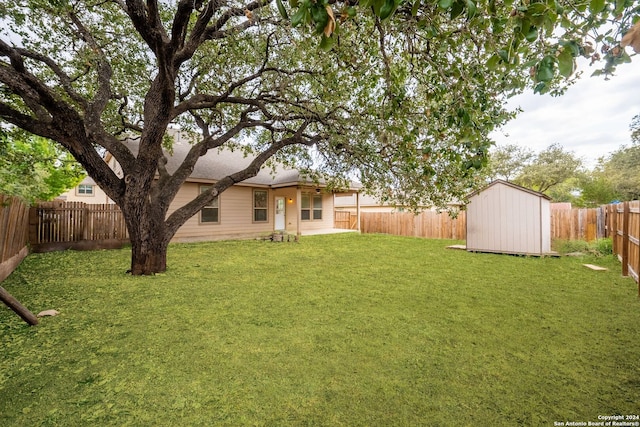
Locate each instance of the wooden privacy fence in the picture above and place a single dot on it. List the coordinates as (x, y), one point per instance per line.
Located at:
(579, 223)
(566, 224)
(623, 220)
(75, 225)
(345, 220)
(428, 224)
(14, 220)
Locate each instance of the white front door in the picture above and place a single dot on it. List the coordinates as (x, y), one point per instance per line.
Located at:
(280, 209)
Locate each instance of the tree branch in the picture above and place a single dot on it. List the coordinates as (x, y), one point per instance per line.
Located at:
(148, 24)
(176, 219)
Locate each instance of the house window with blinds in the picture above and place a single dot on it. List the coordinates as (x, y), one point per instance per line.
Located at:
(210, 214)
(311, 207)
(260, 205)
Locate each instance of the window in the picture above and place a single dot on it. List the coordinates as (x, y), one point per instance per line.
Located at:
(305, 207)
(260, 205)
(311, 207)
(211, 212)
(317, 206)
(85, 190)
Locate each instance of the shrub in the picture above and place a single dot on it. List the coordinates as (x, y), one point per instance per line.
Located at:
(598, 247)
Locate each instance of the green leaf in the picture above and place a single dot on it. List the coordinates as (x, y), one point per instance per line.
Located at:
(540, 88)
(492, 7)
(504, 55)
(326, 43)
(445, 4)
(415, 8)
(387, 9)
(320, 17)
(457, 9)
(493, 62)
(532, 34)
(596, 6)
(282, 10)
(572, 46)
(471, 8)
(566, 63)
(544, 70)
(299, 16)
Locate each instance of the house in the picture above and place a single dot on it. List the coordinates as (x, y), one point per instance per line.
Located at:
(354, 202)
(86, 191)
(357, 202)
(278, 199)
(506, 218)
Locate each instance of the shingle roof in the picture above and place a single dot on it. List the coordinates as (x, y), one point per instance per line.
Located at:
(219, 163)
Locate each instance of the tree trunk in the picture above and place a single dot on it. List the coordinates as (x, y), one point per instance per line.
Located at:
(148, 257)
(149, 238)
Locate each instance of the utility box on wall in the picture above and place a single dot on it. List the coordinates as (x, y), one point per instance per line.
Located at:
(506, 218)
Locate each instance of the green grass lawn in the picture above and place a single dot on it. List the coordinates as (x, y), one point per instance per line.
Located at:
(351, 330)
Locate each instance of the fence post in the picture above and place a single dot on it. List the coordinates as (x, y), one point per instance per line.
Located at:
(85, 224)
(624, 250)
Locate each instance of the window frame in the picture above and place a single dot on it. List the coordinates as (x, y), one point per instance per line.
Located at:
(255, 209)
(81, 190)
(315, 209)
(311, 212)
(214, 204)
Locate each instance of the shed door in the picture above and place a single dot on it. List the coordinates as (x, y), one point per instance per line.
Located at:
(280, 209)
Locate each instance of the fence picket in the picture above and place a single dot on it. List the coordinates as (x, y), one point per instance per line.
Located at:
(62, 225)
(14, 219)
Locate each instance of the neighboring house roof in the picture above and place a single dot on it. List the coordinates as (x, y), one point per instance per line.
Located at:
(512, 185)
(87, 181)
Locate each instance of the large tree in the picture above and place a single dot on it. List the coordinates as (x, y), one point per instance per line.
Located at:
(400, 94)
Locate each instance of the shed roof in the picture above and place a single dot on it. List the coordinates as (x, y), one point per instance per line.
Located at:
(512, 185)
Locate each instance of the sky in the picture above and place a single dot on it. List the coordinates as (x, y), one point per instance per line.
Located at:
(591, 119)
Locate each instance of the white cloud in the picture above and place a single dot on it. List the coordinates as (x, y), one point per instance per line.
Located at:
(591, 119)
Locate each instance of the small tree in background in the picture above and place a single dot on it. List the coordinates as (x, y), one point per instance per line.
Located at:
(507, 161)
(550, 167)
(34, 168)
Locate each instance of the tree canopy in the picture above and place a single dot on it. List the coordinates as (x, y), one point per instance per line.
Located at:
(34, 168)
(552, 166)
(401, 95)
(507, 161)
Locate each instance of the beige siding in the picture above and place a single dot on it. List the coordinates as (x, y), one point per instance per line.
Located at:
(236, 214)
(327, 215)
(98, 196)
(505, 219)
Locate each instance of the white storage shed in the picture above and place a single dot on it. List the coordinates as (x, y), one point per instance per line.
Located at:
(506, 218)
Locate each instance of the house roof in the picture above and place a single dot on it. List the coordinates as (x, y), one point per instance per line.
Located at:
(512, 185)
(219, 163)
